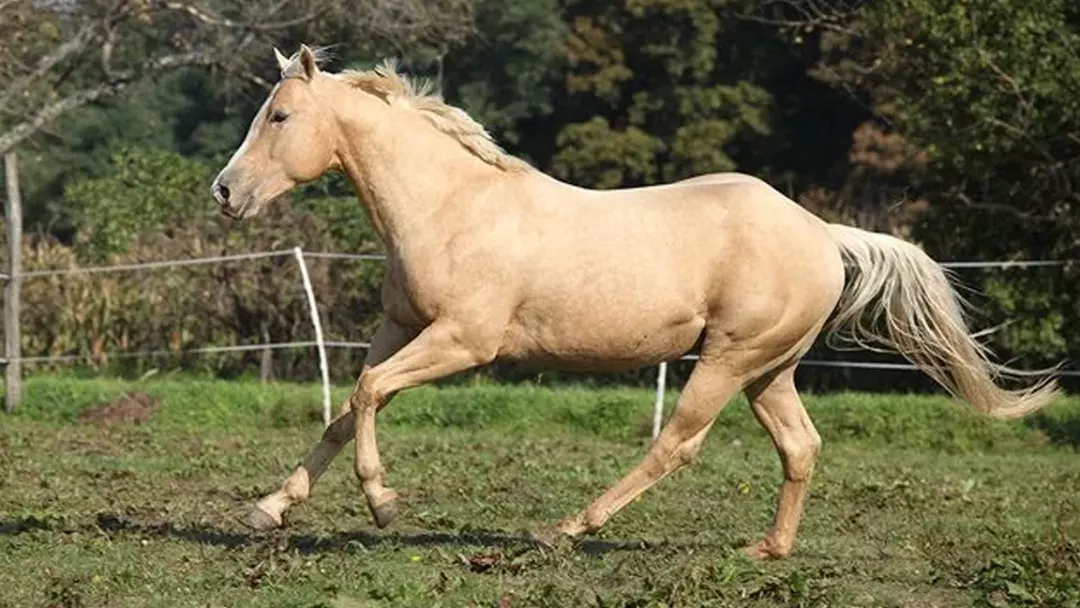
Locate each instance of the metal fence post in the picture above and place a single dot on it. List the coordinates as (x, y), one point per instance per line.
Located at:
(12, 340)
(319, 343)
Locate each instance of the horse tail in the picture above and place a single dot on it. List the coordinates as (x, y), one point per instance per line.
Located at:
(896, 298)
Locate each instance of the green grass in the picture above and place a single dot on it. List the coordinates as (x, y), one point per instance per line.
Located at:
(917, 501)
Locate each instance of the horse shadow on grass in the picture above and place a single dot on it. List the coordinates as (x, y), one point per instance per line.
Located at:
(204, 534)
(344, 540)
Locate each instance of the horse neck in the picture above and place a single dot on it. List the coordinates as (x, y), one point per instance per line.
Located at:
(411, 178)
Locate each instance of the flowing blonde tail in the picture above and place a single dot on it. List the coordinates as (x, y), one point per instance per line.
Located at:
(896, 298)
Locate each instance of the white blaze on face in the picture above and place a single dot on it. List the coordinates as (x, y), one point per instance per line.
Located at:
(233, 188)
(253, 131)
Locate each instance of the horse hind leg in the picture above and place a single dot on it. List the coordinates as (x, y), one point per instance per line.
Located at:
(708, 390)
(779, 409)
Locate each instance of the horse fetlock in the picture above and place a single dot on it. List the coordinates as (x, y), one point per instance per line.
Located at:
(298, 485)
(594, 519)
(571, 527)
(370, 475)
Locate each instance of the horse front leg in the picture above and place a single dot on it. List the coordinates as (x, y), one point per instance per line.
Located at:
(268, 512)
(440, 350)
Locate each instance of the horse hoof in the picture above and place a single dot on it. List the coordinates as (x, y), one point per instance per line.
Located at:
(547, 537)
(554, 537)
(763, 551)
(261, 521)
(386, 510)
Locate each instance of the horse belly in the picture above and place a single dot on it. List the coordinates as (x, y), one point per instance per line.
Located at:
(585, 339)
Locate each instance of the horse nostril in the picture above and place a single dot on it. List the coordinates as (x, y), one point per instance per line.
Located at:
(224, 192)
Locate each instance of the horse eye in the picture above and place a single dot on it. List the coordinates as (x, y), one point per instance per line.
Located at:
(278, 116)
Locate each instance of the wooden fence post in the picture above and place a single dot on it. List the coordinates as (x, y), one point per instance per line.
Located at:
(266, 361)
(12, 350)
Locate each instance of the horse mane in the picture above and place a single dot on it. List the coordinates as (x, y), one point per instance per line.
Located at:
(397, 89)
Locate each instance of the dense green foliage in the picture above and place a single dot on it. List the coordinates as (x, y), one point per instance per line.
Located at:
(916, 502)
(657, 98)
(988, 93)
(954, 124)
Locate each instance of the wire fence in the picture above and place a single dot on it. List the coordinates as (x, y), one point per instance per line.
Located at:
(239, 257)
(322, 345)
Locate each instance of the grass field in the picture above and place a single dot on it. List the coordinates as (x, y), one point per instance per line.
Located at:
(917, 502)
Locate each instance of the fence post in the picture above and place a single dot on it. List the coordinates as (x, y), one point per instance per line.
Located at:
(266, 360)
(319, 343)
(12, 350)
(658, 410)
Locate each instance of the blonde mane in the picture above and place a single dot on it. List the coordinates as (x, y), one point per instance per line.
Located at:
(397, 89)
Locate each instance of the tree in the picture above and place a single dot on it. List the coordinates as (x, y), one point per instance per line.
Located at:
(60, 55)
(508, 74)
(654, 97)
(976, 120)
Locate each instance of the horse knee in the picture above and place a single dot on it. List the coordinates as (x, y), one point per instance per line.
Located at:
(365, 396)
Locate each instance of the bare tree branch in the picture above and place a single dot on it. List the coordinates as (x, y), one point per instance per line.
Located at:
(18, 133)
(408, 21)
(15, 135)
(253, 78)
(1001, 208)
(107, 51)
(259, 26)
(201, 15)
(106, 44)
(829, 15)
(795, 23)
(76, 44)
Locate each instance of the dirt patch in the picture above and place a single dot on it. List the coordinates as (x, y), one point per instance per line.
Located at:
(133, 407)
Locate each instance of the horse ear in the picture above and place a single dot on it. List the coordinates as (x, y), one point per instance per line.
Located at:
(282, 60)
(308, 62)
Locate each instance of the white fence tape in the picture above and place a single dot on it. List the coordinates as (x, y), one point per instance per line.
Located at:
(206, 350)
(327, 255)
(158, 264)
(321, 345)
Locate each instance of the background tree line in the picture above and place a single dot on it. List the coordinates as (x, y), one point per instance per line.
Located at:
(953, 123)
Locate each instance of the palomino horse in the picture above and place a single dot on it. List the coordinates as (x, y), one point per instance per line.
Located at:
(489, 259)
